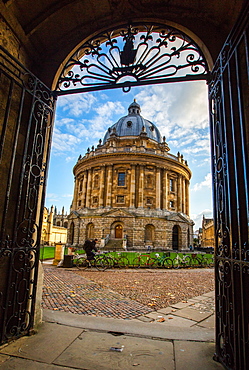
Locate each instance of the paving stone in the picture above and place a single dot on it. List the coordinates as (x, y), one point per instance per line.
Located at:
(209, 294)
(192, 314)
(195, 356)
(21, 364)
(29, 347)
(208, 323)
(92, 351)
(69, 292)
(176, 321)
(166, 310)
(180, 305)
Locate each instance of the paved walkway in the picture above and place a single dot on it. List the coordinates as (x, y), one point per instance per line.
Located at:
(179, 337)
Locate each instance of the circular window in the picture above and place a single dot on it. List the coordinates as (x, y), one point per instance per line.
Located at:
(152, 128)
(129, 124)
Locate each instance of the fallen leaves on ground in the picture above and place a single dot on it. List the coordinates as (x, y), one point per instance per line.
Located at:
(168, 287)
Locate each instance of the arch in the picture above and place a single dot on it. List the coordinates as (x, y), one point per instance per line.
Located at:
(90, 231)
(149, 233)
(163, 53)
(65, 224)
(176, 237)
(71, 233)
(58, 223)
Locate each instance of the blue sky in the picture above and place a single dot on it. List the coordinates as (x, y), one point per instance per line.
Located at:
(179, 110)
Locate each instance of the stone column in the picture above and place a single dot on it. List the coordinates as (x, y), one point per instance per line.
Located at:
(89, 189)
(109, 186)
(179, 193)
(84, 189)
(187, 196)
(183, 195)
(165, 189)
(132, 186)
(102, 186)
(75, 196)
(141, 187)
(158, 188)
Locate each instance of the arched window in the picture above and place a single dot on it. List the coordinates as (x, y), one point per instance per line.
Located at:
(71, 233)
(65, 224)
(176, 234)
(149, 233)
(81, 185)
(58, 223)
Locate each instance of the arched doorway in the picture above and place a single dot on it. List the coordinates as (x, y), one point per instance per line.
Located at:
(118, 232)
(176, 237)
(71, 233)
(228, 108)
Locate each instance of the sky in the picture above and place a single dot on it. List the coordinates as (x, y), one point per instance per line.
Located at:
(179, 110)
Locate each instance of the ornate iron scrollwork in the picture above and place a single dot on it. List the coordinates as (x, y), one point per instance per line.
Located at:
(20, 226)
(132, 55)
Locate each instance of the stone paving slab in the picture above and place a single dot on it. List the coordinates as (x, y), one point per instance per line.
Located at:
(92, 351)
(54, 339)
(170, 320)
(192, 314)
(132, 327)
(21, 364)
(195, 356)
(208, 323)
(183, 304)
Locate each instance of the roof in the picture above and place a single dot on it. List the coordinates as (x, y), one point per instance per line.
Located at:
(133, 125)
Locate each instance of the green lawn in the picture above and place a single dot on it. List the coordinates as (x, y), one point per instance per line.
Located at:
(47, 252)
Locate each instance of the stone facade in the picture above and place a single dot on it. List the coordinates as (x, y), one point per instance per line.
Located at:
(206, 234)
(130, 187)
(54, 227)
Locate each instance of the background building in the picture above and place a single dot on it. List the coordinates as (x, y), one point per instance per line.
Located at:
(130, 191)
(54, 227)
(206, 233)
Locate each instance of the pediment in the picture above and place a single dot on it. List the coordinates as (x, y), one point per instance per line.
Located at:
(119, 212)
(180, 217)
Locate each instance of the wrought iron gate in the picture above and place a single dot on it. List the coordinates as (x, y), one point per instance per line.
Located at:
(26, 113)
(229, 117)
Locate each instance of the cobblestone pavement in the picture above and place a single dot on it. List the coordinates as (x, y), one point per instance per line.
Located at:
(63, 290)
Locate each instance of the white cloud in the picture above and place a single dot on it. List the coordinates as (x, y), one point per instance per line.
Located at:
(197, 218)
(107, 109)
(205, 183)
(63, 142)
(75, 105)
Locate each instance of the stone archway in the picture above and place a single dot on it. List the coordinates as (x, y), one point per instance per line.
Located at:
(71, 233)
(176, 237)
(229, 121)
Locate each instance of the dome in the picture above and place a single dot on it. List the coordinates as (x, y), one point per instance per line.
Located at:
(133, 124)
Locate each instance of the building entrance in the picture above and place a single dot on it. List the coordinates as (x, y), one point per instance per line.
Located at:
(26, 126)
(118, 232)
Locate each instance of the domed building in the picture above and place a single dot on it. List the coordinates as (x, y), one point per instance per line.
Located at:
(130, 191)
